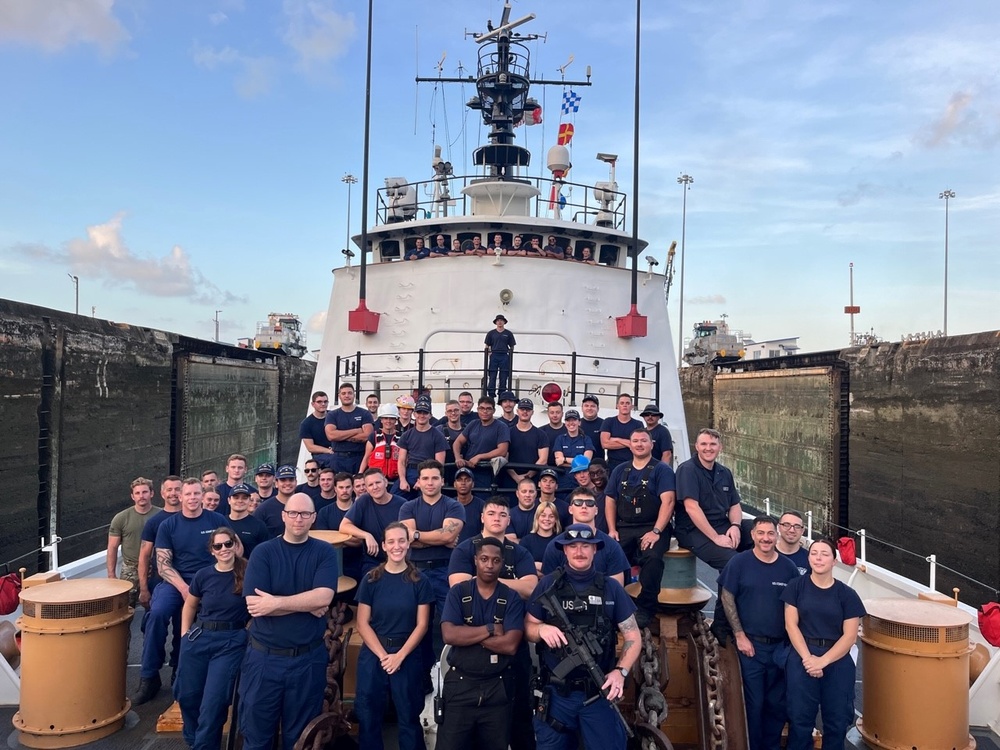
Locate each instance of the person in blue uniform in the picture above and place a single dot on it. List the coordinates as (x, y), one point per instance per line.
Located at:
(181, 551)
(528, 445)
(616, 431)
(790, 530)
(289, 584)
(508, 403)
(481, 441)
(821, 618)
(500, 345)
(638, 507)
(370, 516)
(311, 469)
(554, 250)
(473, 504)
(418, 251)
(751, 586)
(212, 648)
(574, 705)
(394, 604)
(591, 423)
(568, 446)
(422, 442)
(312, 430)
(251, 531)
(483, 622)
(269, 511)
(663, 444)
(609, 559)
(348, 429)
(440, 247)
(544, 529)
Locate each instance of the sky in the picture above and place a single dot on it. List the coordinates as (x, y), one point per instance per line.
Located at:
(186, 157)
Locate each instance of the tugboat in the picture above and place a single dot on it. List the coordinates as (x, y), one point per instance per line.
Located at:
(281, 334)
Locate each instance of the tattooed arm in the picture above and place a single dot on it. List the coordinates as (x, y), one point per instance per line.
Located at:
(743, 644)
(614, 684)
(165, 564)
(446, 536)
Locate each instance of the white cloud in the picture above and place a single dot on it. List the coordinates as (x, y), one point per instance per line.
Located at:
(255, 75)
(317, 322)
(217, 18)
(316, 32)
(103, 254)
(706, 299)
(54, 25)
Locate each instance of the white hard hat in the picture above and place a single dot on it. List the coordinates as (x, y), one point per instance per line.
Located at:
(388, 410)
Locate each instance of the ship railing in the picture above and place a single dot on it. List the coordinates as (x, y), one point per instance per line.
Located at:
(434, 371)
(585, 210)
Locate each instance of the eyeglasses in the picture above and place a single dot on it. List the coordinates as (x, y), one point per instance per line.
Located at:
(220, 545)
(584, 503)
(796, 526)
(311, 471)
(299, 513)
(580, 533)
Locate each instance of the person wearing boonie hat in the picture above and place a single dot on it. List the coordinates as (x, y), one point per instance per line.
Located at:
(663, 444)
(507, 402)
(269, 511)
(405, 405)
(599, 605)
(500, 345)
(420, 443)
(569, 445)
(590, 423)
(528, 445)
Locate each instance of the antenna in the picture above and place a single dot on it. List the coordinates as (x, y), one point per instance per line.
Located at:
(562, 70)
(440, 64)
(506, 27)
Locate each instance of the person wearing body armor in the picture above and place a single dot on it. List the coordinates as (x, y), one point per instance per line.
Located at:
(639, 505)
(596, 607)
(609, 560)
(483, 622)
(382, 448)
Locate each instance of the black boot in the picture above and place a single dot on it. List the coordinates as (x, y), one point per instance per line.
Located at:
(148, 688)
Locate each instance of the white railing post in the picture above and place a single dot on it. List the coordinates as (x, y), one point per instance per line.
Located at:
(53, 549)
(932, 559)
(809, 525)
(864, 546)
(767, 506)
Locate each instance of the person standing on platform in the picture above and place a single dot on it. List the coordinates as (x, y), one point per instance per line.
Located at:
(790, 530)
(348, 429)
(751, 588)
(483, 622)
(212, 648)
(126, 531)
(289, 585)
(312, 430)
(251, 531)
(616, 432)
(821, 618)
(500, 345)
(394, 603)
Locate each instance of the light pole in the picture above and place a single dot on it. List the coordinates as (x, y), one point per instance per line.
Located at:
(349, 179)
(684, 181)
(217, 325)
(947, 195)
(76, 285)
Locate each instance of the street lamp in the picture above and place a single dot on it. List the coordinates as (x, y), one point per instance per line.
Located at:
(947, 195)
(217, 325)
(684, 181)
(76, 285)
(349, 179)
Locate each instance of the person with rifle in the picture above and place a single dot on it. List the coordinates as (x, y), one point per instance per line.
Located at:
(574, 615)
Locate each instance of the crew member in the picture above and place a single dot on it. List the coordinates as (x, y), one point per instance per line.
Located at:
(236, 470)
(591, 423)
(663, 444)
(126, 530)
(269, 511)
(790, 529)
(369, 517)
(289, 585)
(472, 503)
(311, 486)
(483, 622)
(500, 345)
(481, 441)
(595, 603)
(508, 402)
(312, 430)
(609, 560)
(264, 478)
(555, 427)
(251, 531)
(420, 443)
(348, 429)
(617, 430)
(528, 445)
(382, 448)
(568, 446)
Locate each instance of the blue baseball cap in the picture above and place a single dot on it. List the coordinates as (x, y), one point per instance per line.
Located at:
(241, 489)
(580, 463)
(286, 472)
(265, 469)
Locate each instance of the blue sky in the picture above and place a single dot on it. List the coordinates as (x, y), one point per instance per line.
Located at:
(185, 157)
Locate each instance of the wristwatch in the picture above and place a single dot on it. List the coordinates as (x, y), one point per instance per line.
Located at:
(416, 535)
(624, 672)
(490, 628)
(657, 531)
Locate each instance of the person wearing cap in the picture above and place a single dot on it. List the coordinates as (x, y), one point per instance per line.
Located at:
(473, 504)
(598, 604)
(590, 424)
(418, 251)
(528, 445)
(419, 444)
(610, 560)
(639, 504)
(264, 481)
(312, 429)
(368, 517)
(548, 485)
(382, 448)
(616, 432)
(270, 510)
(251, 531)
(508, 402)
(554, 428)
(348, 429)
(663, 444)
(404, 407)
(500, 346)
(481, 441)
(569, 445)
(483, 622)
(289, 584)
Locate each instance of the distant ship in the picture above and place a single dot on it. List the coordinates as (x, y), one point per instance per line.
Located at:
(714, 342)
(281, 333)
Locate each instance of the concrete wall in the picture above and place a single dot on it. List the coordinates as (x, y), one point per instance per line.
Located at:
(696, 389)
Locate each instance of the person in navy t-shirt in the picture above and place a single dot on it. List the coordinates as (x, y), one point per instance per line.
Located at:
(609, 559)
(616, 431)
(482, 440)
(348, 429)
(790, 530)
(500, 345)
(312, 430)
(369, 517)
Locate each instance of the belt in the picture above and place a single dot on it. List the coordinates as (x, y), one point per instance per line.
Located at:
(298, 651)
(219, 625)
(765, 640)
(391, 641)
(581, 685)
(428, 564)
(821, 642)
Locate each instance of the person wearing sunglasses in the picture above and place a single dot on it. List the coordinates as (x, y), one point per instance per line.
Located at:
(790, 530)
(609, 559)
(212, 648)
(289, 585)
(311, 486)
(595, 603)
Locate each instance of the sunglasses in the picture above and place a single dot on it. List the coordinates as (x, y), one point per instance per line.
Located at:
(580, 533)
(299, 513)
(311, 471)
(220, 545)
(584, 503)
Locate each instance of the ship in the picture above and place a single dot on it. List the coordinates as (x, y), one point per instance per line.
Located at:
(281, 333)
(713, 342)
(585, 326)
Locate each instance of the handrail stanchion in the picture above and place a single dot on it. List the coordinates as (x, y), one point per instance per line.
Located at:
(767, 506)
(486, 370)
(809, 525)
(932, 559)
(337, 383)
(635, 393)
(572, 378)
(863, 535)
(420, 371)
(357, 372)
(656, 395)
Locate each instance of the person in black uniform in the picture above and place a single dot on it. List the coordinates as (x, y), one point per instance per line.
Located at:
(212, 649)
(483, 622)
(500, 346)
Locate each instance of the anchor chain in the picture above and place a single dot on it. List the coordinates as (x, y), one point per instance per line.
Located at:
(331, 723)
(707, 648)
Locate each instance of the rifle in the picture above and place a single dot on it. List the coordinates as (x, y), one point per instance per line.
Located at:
(582, 644)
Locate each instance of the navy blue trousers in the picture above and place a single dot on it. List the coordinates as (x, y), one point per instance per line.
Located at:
(499, 369)
(834, 692)
(164, 608)
(764, 695)
(596, 723)
(431, 645)
(204, 685)
(407, 696)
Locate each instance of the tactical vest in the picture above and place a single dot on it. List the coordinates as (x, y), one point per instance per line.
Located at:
(636, 505)
(507, 569)
(477, 660)
(385, 456)
(585, 610)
